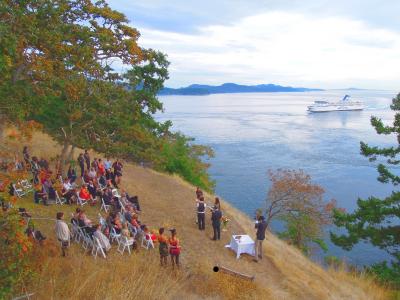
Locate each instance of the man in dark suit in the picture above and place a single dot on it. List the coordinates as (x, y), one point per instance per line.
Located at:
(261, 227)
(216, 216)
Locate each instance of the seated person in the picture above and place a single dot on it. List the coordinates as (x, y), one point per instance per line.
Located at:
(71, 174)
(128, 213)
(100, 168)
(104, 241)
(125, 232)
(85, 222)
(35, 234)
(103, 181)
(135, 201)
(92, 189)
(40, 195)
(92, 173)
(86, 177)
(67, 190)
(116, 223)
(85, 195)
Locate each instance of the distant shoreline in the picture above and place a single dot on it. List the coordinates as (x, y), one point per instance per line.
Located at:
(233, 88)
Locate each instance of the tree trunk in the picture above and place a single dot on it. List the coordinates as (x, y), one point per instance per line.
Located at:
(71, 154)
(63, 156)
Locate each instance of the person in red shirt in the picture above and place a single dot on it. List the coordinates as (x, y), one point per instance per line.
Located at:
(85, 195)
(174, 248)
(101, 170)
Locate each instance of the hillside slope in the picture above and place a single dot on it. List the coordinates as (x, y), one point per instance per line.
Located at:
(168, 201)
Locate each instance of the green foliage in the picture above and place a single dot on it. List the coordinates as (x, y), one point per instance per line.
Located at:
(14, 250)
(386, 274)
(377, 221)
(178, 156)
(303, 232)
(298, 202)
(56, 69)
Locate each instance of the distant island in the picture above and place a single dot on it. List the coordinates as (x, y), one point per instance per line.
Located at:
(201, 89)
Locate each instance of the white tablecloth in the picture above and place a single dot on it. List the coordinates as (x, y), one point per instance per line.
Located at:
(243, 245)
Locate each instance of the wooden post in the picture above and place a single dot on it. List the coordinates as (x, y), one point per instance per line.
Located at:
(235, 273)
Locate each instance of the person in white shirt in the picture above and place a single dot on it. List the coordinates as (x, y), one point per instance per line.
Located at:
(104, 241)
(68, 190)
(107, 164)
(62, 232)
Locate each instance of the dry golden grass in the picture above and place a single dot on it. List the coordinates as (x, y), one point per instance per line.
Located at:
(168, 201)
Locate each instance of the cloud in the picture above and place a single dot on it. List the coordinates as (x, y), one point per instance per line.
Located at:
(282, 47)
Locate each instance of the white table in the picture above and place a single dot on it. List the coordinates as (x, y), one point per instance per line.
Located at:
(243, 245)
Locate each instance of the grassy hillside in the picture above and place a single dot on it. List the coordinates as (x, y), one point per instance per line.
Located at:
(168, 201)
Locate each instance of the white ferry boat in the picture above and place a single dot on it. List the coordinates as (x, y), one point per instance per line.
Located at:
(344, 104)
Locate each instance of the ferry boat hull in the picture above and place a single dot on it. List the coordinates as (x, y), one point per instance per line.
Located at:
(344, 105)
(327, 108)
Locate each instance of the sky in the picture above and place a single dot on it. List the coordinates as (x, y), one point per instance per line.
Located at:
(308, 43)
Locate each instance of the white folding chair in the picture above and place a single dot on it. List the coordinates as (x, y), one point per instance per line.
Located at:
(26, 185)
(60, 200)
(87, 241)
(97, 248)
(75, 232)
(102, 221)
(104, 206)
(123, 209)
(79, 200)
(18, 191)
(115, 193)
(125, 244)
(114, 236)
(147, 242)
(122, 217)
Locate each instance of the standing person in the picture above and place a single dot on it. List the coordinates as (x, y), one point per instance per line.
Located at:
(35, 170)
(174, 248)
(216, 216)
(101, 170)
(163, 247)
(117, 165)
(63, 233)
(261, 227)
(217, 203)
(199, 193)
(201, 211)
(81, 162)
(107, 164)
(25, 155)
(86, 156)
(71, 174)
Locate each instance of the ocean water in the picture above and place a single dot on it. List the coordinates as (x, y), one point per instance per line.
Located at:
(252, 133)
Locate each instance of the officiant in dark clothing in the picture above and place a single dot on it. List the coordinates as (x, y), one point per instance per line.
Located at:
(261, 227)
(216, 216)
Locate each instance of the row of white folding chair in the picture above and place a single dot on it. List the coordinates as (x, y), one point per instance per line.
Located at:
(87, 241)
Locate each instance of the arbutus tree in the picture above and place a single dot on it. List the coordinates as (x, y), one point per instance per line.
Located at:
(295, 200)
